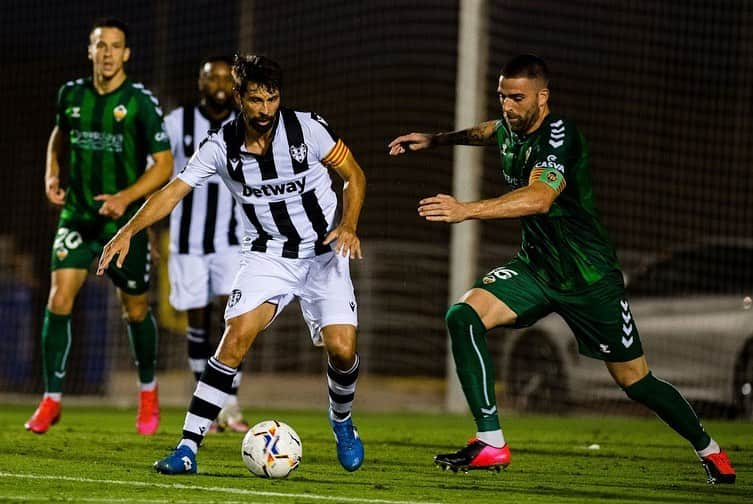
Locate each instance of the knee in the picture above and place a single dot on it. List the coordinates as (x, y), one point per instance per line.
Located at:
(233, 346)
(341, 347)
(136, 311)
(60, 301)
(459, 316)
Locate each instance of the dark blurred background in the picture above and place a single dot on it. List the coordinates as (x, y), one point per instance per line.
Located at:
(661, 89)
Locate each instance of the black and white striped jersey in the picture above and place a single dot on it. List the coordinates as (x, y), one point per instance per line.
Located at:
(288, 205)
(208, 219)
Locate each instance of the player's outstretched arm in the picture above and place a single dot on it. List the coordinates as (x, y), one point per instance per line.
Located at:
(342, 161)
(55, 148)
(483, 134)
(535, 198)
(158, 206)
(115, 205)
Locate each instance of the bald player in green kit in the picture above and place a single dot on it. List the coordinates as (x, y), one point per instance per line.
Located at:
(566, 265)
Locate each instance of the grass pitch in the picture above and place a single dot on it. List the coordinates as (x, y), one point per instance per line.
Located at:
(94, 455)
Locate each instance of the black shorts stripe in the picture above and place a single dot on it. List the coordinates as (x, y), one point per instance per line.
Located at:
(286, 228)
(185, 223)
(203, 409)
(213, 192)
(260, 243)
(315, 214)
(341, 398)
(232, 227)
(296, 144)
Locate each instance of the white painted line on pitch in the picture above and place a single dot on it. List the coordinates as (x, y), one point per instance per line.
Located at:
(238, 491)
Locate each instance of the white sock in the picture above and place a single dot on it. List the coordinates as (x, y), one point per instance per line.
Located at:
(148, 387)
(191, 445)
(232, 400)
(713, 447)
(493, 438)
(55, 396)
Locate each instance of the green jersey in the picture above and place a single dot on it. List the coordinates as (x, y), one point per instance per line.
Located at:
(110, 137)
(567, 248)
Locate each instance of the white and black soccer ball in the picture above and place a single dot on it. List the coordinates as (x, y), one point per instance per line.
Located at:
(271, 449)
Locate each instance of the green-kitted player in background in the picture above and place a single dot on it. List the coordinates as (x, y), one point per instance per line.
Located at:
(110, 126)
(566, 265)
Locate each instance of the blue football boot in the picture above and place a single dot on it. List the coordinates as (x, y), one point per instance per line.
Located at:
(180, 461)
(349, 446)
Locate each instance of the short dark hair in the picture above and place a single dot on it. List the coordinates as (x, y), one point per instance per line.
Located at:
(111, 22)
(216, 58)
(258, 69)
(526, 65)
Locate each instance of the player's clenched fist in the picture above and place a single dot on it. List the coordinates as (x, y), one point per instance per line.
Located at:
(119, 246)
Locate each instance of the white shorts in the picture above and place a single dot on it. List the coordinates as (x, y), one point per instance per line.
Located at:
(322, 285)
(196, 279)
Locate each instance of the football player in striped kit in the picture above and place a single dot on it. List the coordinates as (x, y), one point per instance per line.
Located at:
(205, 229)
(276, 163)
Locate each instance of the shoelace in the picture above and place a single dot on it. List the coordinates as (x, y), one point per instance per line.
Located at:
(345, 435)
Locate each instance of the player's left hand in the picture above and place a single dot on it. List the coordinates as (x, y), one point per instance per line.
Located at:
(118, 246)
(114, 205)
(442, 208)
(348, 243)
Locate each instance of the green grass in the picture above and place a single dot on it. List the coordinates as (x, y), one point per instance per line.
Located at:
(93, 455)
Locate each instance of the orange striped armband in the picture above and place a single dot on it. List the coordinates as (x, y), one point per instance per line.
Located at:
(336, 156)
(550, 177)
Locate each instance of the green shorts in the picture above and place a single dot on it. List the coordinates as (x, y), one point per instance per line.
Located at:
(77, 244)
(599, 315)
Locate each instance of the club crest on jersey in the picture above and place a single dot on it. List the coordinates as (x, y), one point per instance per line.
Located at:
(235, 296)
(119, 112)
(299, 153)
(74, 112)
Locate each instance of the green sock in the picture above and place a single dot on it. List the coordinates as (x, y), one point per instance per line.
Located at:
(473, 364)
(143, 337)
(667, 402)
(56, 344)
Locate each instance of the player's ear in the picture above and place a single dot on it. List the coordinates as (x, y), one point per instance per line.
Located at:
(237, 97)
(543, 96)
(126, 54)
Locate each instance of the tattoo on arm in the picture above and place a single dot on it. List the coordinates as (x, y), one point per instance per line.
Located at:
(483, 134)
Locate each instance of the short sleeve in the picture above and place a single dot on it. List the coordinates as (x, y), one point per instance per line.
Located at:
(173, 126)
(321, 136)
(204, 162)
(150, 116)
(61, 119)
(557, 149)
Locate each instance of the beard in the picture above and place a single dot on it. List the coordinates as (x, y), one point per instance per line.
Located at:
(261, 128)
(218, 101)
(523, 123)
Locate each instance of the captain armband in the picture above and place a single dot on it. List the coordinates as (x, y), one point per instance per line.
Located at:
(550, 177)
(337, 155)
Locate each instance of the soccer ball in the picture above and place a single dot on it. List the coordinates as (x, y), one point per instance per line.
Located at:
(271, 449)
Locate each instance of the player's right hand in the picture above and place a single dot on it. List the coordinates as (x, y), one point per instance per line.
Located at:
(55, 194)
(118, 246)
(411, 141)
